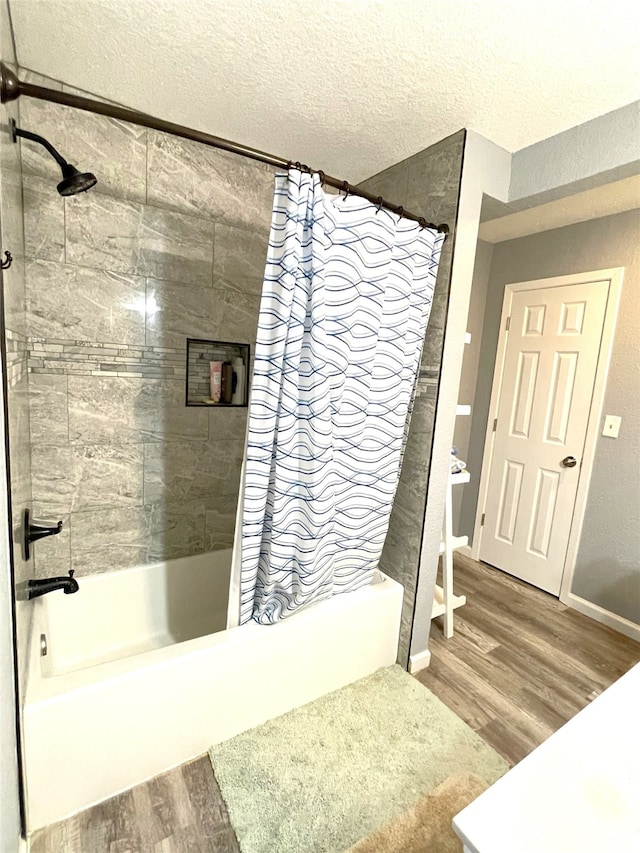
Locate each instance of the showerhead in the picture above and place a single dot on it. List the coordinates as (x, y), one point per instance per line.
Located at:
(73, 181)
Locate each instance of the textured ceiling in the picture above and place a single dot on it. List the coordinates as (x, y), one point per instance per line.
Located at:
(350, 86)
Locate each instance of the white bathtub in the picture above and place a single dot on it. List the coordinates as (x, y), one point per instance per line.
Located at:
(136, 680)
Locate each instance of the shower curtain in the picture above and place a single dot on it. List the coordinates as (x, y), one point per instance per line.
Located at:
(344, 309)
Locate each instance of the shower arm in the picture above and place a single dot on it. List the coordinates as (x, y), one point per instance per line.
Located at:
(34, 137)
(11, 88)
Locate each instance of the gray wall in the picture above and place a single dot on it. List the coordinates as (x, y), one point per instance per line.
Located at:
(427, 184)
(171, 244)
(598, 151)
(608, 565)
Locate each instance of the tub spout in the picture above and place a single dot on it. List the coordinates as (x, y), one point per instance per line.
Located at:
(42, 587)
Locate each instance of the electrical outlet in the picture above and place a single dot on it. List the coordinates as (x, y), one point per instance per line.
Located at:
(611, 426)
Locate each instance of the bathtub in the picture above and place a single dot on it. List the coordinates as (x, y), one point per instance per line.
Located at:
(140, 674)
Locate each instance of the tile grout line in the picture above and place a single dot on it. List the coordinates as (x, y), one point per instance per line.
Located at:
(146, 166)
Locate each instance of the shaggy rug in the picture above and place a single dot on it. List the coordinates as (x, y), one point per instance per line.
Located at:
(321, 777)
(426, 828)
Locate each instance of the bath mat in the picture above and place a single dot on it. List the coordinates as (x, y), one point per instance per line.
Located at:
(426, 828)
(321, 777)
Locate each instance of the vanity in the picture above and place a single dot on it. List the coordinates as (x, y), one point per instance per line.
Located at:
(578, 792)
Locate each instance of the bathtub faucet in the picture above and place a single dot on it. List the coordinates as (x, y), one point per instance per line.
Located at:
(42, 587)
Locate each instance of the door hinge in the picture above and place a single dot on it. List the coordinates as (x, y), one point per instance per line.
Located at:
(482, 519)
(495, 424)
(508, 323)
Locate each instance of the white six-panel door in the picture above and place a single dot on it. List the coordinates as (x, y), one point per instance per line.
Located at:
(544, 400)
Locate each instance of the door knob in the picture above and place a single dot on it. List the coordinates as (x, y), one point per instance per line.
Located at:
(569, 462)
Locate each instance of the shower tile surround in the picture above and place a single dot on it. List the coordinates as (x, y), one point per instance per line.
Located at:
(171, 244)
(16, 345)
(427, 184)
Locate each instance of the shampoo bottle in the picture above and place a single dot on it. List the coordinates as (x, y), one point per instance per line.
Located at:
(238, 382)
(215, 380)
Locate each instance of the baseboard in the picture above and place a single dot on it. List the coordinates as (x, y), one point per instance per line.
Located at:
(465, 551)
(23, 845)
(606, 617)
(419, 662)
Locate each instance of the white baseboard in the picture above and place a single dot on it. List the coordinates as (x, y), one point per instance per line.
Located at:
(618, 623)
(419, 662)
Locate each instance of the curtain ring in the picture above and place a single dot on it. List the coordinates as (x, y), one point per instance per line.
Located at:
(422, 222)
(298, 165)
(400, 212)
(346, 188)
(321, 175)
(379, 201)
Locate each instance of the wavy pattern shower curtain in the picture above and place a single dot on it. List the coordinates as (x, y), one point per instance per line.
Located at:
(345, 304)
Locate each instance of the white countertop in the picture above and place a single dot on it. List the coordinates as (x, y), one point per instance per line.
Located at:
(578, 792)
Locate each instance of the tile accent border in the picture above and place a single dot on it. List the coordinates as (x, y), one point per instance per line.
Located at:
(17, 357)
(92, 358)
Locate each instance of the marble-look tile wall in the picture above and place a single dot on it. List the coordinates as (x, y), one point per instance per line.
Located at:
(171, 244)
(427, 184)
(12, 282)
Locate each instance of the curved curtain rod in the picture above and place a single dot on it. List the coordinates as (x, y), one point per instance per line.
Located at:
(12, 88)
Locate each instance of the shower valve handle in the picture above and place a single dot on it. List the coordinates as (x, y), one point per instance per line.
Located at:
(33, 532)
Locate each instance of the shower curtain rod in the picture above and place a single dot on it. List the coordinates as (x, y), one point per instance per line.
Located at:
(11, 88)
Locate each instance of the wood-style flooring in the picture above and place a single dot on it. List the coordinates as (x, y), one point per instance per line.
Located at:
(181, 811)
(520, 663)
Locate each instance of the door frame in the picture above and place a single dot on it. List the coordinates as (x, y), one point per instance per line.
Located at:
(614, 276)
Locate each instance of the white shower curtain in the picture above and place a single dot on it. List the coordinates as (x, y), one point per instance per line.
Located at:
(345, 304)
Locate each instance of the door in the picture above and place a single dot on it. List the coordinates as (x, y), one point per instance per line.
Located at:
(549, 369)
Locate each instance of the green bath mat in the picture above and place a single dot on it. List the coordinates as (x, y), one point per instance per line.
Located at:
(325, 775)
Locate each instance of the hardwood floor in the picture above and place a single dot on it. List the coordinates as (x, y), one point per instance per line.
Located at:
(520, 663)
(181, 811)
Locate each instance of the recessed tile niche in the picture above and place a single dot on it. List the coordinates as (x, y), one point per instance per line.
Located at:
(217, 373)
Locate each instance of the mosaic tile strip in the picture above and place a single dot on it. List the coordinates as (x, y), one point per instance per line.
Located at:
(89, 358)
(17, 355)
(427, 378)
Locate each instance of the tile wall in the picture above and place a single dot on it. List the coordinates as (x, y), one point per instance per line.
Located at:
(427, 184)
(170, 244)
(15, 344)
